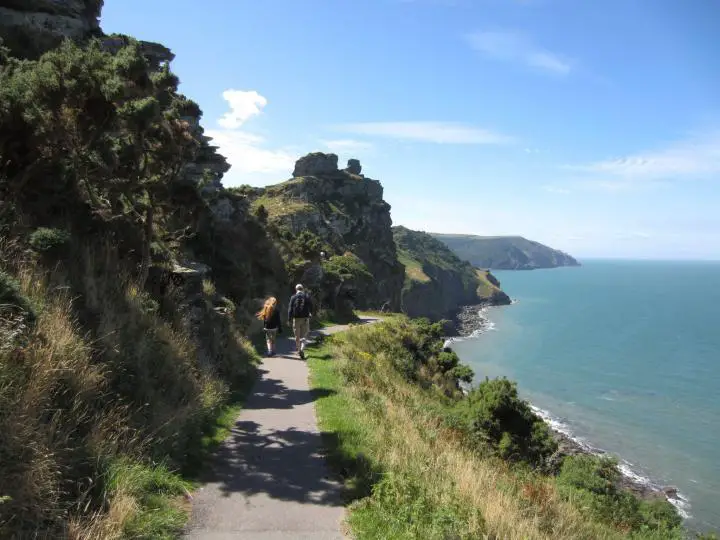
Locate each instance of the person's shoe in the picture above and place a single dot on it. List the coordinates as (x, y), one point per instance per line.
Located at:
(302, 355)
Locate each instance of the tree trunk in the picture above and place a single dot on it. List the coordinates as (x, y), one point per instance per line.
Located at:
(145, 264)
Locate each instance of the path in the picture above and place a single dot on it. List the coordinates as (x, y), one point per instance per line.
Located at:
(269, 480)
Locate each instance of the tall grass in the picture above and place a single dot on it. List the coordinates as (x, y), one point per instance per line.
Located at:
(422, 479)
(102, 400)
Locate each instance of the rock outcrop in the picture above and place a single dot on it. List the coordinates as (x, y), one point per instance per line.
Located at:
(347, 213)
(31, 27)
(354, 167)
(316, 164)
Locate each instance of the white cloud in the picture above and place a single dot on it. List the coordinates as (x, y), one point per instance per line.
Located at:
(245, 151)
(243, 105)
(434, 132)
(347, 145)
(515, 47)
(697, 158)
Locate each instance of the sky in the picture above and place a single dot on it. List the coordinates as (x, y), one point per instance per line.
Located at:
(593, 127)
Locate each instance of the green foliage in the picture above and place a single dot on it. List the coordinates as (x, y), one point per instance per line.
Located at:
(347, 267)
(592, 483)
(88, 133)
(12, 299)
(155, 489)
(46, 240)
(402, 506)
(261, 213)
(496, 417)
(307, 244)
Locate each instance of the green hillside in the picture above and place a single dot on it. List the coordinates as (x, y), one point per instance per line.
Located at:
(438, 282)
(505, 252)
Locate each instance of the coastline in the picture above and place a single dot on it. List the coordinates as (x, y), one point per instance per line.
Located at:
(471, 322)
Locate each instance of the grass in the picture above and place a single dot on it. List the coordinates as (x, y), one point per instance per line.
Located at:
(413, 268)
(409, 475)
(485, 288)
(103, 425)
(279, 206)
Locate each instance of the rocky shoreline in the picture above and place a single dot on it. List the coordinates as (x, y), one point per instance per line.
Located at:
(567, 446)
(471, 322)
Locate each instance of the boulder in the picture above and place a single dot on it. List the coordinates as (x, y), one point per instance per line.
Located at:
(354, 167)
(316, 164)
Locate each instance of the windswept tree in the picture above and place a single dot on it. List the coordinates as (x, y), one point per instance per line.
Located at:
(84, 130)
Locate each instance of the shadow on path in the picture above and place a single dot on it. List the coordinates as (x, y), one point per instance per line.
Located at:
(283, 464)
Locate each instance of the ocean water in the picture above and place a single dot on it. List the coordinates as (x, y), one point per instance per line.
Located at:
(625, 356)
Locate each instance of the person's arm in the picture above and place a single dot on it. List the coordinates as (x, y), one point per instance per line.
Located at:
(279, 321)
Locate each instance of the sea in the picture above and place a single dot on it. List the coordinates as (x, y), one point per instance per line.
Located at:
(623, 356)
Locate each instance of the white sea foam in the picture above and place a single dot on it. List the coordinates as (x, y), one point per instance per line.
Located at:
(627, 469)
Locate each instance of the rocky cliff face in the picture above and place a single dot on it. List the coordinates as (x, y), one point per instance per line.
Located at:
(347, 213)
(215, 227)
(31, 27)
(437, 282)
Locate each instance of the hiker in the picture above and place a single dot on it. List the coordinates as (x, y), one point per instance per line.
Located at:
(270, 316)
(299, 312)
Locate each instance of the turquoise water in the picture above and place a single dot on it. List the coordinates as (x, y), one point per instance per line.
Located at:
(625, 355)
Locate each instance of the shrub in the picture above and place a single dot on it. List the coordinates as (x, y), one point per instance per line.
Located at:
(12, 299)
(497, 418)
(308, 244)
(46, 240)
(591, 482)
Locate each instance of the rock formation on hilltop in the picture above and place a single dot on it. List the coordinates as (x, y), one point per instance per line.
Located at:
(348, 216)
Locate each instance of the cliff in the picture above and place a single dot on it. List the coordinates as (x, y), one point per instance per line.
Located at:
(31, 27)
(438, 282)
(335, 222)
(505, 252)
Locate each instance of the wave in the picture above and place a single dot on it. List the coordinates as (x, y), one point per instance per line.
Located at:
(627, 469)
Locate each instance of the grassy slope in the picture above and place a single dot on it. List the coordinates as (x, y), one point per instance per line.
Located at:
(413, 268)
(126, 457)
(412, 477)
(485, 287)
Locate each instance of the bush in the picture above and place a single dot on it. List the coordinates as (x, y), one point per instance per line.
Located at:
(45, 240)
(12, 298)
(591, 482)
(494, 415)
(308, 245)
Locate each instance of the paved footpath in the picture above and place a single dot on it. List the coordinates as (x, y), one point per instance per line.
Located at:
(268, 480)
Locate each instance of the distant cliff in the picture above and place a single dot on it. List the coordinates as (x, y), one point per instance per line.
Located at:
(505, 252)
(438, 282)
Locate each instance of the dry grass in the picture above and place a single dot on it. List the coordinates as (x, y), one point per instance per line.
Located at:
(88, 413)
(413, 269)
(485, 288)
(278, 206)
(426, 465)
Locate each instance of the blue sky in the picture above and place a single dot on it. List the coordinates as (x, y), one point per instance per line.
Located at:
(593, 127)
